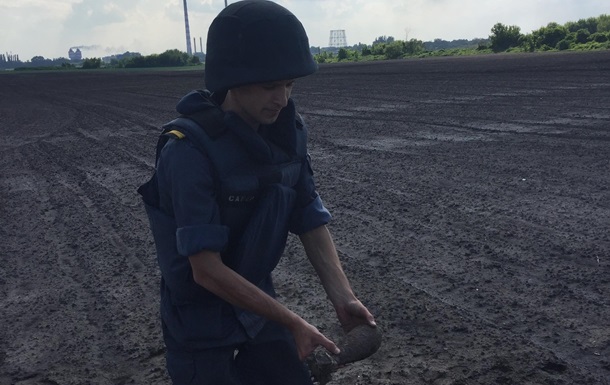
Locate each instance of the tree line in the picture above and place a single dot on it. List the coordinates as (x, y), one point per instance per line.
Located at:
(585, 34)
(169, 58)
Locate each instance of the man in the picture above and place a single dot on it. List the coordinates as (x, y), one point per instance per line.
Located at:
(232, 180)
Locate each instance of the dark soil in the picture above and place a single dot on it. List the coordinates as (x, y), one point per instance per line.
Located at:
(471, 203)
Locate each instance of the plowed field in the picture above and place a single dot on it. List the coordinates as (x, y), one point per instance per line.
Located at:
(471, 204)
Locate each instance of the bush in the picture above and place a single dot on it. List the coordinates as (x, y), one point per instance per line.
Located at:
(324, 57)
(599, 37)
(592, 46)
(394, 50)
(564, 45)
(582, 36)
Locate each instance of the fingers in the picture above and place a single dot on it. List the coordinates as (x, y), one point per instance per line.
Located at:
(360, 311)
(330, 346)
(310, 340)
(371, 321)
(354, 314)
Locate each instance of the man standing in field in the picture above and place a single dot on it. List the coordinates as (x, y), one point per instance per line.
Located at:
(232, 179)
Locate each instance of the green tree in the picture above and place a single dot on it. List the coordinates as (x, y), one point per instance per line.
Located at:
(589, 24)
(504, 37)
(384, 39)
(528, 43)
(603, 23)
(582, 36)
(414, 47)
(172, 58)
(378, 49)
(564, 44)
(599, 37)
(550, 35)
(92, 63)
(342, 54)
(394, 50)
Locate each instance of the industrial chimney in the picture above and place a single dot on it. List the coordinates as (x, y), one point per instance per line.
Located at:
(188, 31)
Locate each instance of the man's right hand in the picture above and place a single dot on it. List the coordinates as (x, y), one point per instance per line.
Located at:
(308, 338)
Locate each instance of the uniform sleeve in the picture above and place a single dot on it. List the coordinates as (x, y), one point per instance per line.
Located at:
(310, 212)
(186, 191)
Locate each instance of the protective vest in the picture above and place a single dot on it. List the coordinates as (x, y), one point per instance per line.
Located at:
(254, 190)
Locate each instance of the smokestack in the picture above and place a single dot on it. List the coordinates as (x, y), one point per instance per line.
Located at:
(188, 31)
(194, 45)
(201, 44)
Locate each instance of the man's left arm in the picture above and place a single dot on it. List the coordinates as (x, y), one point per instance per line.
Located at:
(322, 254)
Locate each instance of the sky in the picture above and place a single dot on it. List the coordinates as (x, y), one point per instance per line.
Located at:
(49, 28)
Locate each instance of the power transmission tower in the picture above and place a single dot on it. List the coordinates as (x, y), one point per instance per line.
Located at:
(337, 38)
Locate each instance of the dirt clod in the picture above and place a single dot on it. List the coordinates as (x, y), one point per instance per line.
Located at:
(360, 343)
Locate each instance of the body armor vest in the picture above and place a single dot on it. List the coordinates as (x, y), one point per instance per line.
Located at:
(254, 190)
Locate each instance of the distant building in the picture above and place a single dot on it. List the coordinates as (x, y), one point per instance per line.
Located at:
(75, 54)
(337, 39)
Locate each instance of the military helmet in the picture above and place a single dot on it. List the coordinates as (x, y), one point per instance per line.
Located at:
(255, 41)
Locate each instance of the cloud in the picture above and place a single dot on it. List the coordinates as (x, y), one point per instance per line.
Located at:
(88, 15)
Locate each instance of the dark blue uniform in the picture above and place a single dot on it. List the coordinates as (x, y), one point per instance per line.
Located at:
(234, 191)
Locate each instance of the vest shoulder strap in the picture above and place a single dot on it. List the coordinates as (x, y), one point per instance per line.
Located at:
(210, 120)
(209, 134)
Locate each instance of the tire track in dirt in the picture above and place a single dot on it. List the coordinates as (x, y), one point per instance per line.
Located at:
(355, 151)
(95, 287)
(92, 247)
(496, 296)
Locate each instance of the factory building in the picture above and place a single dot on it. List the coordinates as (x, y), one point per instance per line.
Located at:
(74, 54)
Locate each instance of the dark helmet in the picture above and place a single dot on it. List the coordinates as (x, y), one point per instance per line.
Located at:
(255, 41)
